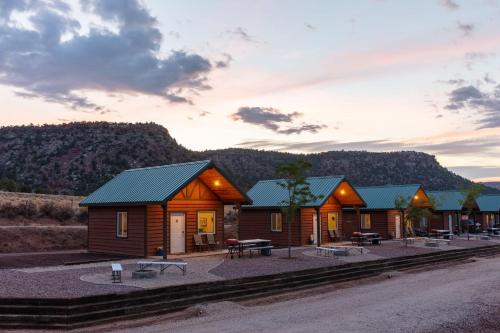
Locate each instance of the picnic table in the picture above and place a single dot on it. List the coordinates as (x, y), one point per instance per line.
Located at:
(338, 249)
(441, 233)
(372, 238)
(250, 245)
(163, 265)
(493, 231)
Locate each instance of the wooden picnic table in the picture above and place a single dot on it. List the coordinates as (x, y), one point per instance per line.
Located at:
(262, 245)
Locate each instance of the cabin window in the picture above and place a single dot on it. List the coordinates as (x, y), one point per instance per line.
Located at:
(206, 222)
(333, 221)
(121, 224)
(366, 221)
(276, 222)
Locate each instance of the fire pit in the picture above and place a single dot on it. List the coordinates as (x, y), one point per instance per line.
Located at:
(144, 274)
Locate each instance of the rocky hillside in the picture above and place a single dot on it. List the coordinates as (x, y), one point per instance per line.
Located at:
(77, 158)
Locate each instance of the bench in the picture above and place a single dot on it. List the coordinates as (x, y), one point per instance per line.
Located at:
(436, 241)
(374, 240)
(348, 249)
(327, 251)
(116, 273)
(262, 249)
(163, 265)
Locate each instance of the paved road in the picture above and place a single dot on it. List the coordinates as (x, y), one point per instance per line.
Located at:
(460, 298)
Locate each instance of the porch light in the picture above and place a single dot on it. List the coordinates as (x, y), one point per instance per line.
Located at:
(342, 191)
(216, 182)
(416, 197)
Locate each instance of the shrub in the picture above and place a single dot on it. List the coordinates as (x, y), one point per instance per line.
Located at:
(47, 209)
(27, 209)
(63, 213)
(8, 210)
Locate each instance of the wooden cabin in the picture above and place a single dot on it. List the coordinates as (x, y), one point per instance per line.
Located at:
(314, 221)
(449, 210)
(141, 210)
(489, 210)
(380, 214)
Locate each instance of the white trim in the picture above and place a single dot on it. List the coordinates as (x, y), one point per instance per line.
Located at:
(280, 222)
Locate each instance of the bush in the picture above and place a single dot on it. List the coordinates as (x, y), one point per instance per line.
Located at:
(47, 209)
(8, 210)
(63, 213)
(82, 215)
(27, 209)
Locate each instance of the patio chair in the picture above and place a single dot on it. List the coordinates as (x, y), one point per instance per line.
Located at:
(198, 243)
(333, 235)
(211, 242)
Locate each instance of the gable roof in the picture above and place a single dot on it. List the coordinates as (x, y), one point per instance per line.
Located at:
(269, 193)
(152, 185)
(383, 197)
(489, 202)
(447, 200)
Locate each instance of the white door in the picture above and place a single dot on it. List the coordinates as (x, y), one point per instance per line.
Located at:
(315, 228)
(398, 226)
(450, 222)
(177, 233)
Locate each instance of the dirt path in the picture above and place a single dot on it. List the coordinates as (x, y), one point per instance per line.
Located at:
(458, 298)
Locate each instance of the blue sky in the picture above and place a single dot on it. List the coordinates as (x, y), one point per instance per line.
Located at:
(301, 76)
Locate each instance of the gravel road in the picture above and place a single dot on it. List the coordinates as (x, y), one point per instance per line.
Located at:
(456, 298)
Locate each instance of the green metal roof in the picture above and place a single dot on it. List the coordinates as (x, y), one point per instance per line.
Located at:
(447, 200)
(153, 185)
(489, 203)
(268, 193)
(383, 197)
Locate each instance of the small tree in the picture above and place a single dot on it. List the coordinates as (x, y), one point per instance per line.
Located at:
(401, 203)
(299, 193)
(411, 214)
(470, 196)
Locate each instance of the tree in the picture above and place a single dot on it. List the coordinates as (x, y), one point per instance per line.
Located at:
(411, 214)
(470, 196)
(298, 190)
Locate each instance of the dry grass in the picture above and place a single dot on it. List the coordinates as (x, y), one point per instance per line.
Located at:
(40, 209)
(42, 238)
(41, 222)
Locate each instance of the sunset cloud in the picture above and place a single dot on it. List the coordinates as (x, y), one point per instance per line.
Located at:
(44, 65)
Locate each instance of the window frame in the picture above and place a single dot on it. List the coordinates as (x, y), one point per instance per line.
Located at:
(362, 216)
(119, 224)
(336, 221)
(280, 219)
(214, 213)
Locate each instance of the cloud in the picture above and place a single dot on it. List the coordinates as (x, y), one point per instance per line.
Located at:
(470, 146)
(223, 63)
(243, 34)
(310, 26)
(465, 29)
(125, 60)
(273, 119)
(487, 104)
(449, 4)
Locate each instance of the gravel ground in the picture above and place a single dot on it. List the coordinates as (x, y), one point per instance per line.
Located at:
(49, 259)
(461, 298)
(53, 284)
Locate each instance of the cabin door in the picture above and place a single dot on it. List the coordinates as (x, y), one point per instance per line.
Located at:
(315, 228)
(177, 233)
(450, 223)
(398, 226)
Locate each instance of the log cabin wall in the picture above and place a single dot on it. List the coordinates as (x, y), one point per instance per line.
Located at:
(256, 223)
(195, 197)
(350, 223)
(379, 222)
(102, 230)
(330, 206)
(391, 223)
(306, 224)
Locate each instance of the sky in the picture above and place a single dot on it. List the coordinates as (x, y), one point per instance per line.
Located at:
(297, 76)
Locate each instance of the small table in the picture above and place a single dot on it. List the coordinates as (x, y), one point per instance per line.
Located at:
(249, 243)
(163, 265)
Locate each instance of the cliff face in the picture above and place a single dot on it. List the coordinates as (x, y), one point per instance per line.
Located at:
(77, 158)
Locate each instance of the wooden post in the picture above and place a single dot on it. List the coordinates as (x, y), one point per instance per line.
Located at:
(318, 228)
(238, 216)
(164, 224)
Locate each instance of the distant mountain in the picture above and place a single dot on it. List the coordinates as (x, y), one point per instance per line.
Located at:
(495, 185)
(77, 158)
